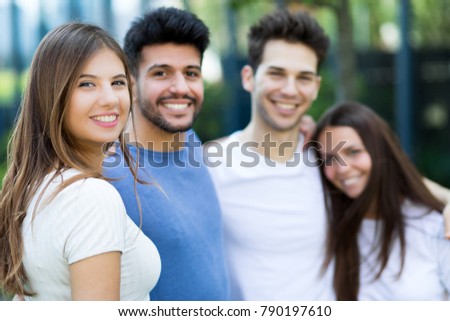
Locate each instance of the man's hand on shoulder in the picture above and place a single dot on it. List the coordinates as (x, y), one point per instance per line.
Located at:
(307, 127)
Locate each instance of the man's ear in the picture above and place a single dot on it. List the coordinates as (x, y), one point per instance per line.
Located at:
(134, 89)
(247, 78)
(318, 83)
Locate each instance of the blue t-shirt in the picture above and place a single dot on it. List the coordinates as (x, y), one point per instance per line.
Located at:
(181, 215)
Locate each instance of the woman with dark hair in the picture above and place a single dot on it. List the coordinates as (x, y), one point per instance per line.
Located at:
(386, 232)
(64, 231)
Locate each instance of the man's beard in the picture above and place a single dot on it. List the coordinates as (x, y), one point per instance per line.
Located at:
(152, 114)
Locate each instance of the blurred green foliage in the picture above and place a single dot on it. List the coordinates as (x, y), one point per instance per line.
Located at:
(209, 123)
(10, 83)
(6, 87)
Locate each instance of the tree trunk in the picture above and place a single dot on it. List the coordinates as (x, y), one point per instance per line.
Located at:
(346, 53)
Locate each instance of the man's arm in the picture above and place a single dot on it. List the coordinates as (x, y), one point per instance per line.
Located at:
(442, 194)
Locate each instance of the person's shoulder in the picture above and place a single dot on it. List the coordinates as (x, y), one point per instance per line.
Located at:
(96, 195)
(88, 188)
(417, 210)
(422, 218)
(217, 141)
(98, 187)
(222, 141)
(218, 153)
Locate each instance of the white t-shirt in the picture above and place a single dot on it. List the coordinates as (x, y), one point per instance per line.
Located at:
(86, 218)
(274, 223)
(426, 271)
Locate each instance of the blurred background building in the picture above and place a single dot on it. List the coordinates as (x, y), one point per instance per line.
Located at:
(393, 55)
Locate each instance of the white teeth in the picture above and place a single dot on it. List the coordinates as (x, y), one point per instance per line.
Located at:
(105, 119)
(286, 106)
(350, 181)
(176, 106)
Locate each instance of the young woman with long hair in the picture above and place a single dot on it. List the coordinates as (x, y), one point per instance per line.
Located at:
(64, 231)
(386, 232)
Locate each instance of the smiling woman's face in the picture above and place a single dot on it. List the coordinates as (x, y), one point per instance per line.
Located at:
(100, 103)
(349, 169)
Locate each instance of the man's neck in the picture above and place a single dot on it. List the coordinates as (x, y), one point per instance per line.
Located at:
(149, 136)
(278, 146)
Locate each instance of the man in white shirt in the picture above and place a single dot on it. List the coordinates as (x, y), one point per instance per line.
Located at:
(269, 188)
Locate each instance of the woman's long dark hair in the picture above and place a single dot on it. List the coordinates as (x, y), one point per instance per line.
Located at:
(392, 180)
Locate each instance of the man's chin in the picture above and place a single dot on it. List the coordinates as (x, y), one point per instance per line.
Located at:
(172, 126)
(175, 128)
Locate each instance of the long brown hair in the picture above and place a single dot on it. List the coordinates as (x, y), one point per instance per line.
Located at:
(40, 142)
(393, 179)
